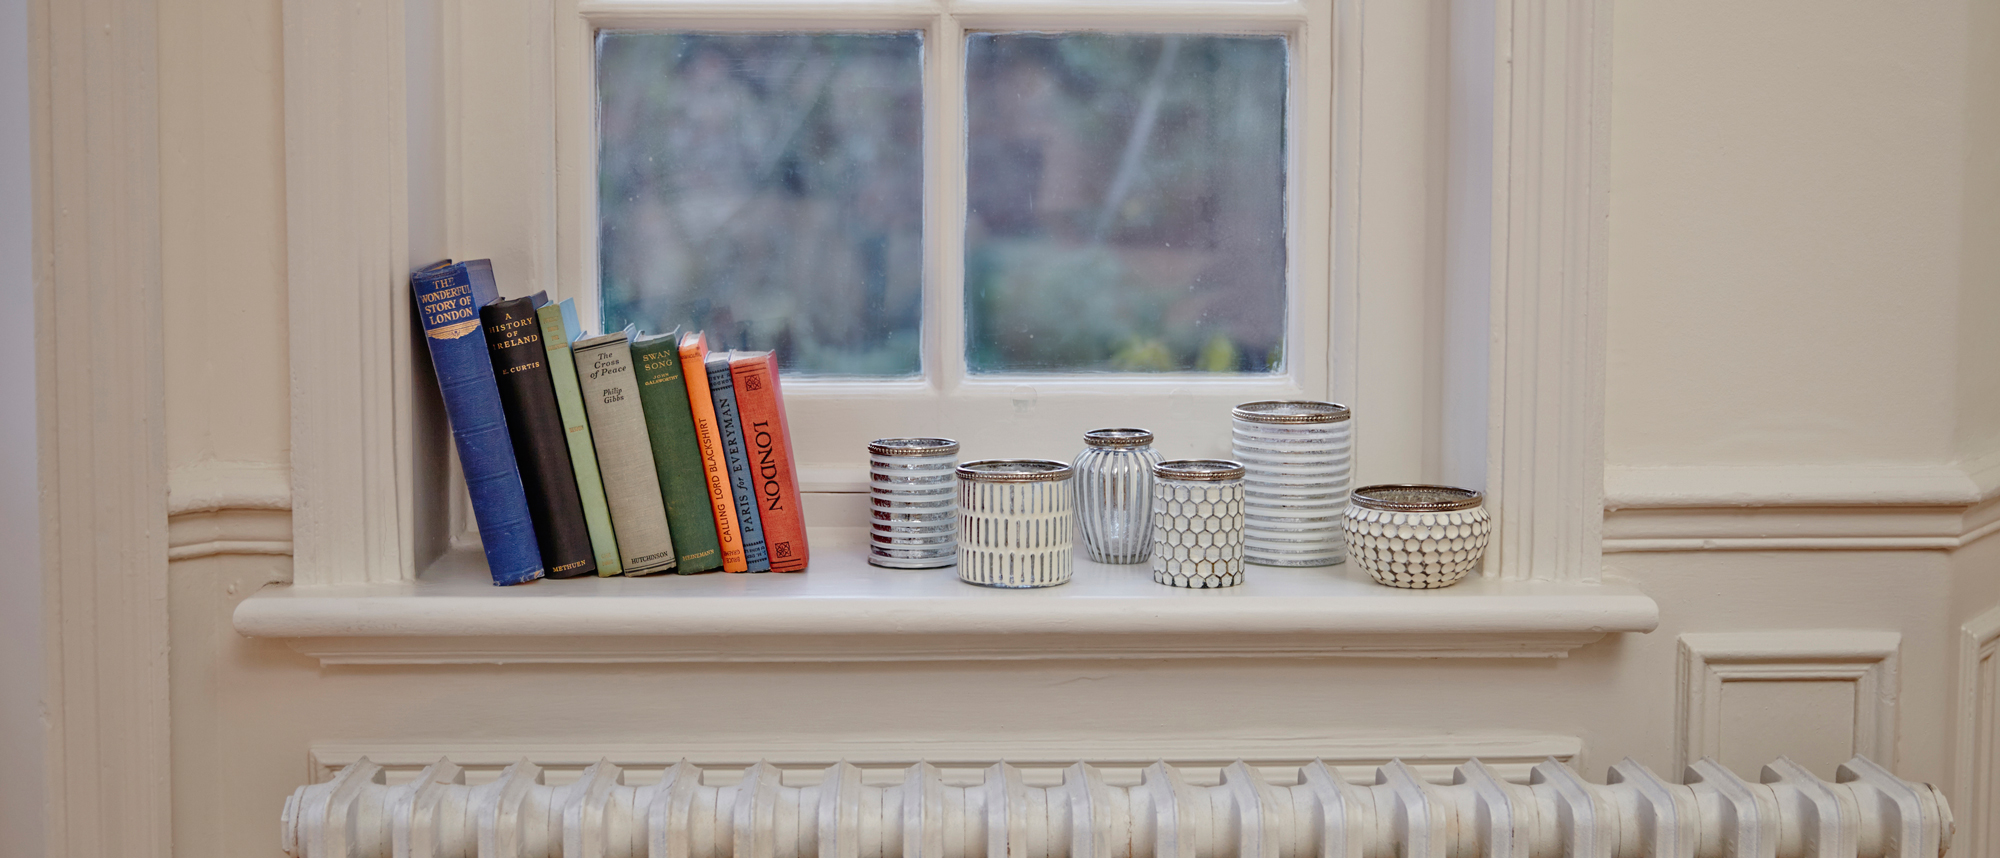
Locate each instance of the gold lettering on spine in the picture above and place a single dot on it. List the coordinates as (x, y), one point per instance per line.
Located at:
(767, 466)
(717, 492)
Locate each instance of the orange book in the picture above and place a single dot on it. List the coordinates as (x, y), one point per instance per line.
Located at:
(694, 365)
(772, 470)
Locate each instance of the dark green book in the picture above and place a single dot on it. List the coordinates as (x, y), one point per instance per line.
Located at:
(676, 453)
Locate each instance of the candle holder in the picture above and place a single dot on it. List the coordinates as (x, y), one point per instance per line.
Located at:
(1298, 459)
(1016, 523)
(1198, 523)
(912, 506)
(1114, 494)
(1416, 537)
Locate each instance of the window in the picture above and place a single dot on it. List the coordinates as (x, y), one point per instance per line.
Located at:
(1005, 223)
(1124, 199)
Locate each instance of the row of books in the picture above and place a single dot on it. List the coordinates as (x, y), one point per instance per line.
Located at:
(615, 454)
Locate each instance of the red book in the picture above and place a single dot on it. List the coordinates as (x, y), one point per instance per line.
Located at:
(773, 470)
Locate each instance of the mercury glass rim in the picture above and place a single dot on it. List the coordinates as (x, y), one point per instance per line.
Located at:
(1117, 438)
(1411, 497)
(1014, 471)
(1207, 470)
(913, 446)
(1291, 411)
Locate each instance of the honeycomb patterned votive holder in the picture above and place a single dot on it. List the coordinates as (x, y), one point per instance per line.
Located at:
(912, 503)
(1198, 523)
(1016, 523)
(1416, 537)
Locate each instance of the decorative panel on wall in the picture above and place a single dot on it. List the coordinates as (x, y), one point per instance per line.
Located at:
(1817, 696)
(1976, 751)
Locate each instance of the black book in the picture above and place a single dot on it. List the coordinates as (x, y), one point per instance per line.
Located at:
(534, 422)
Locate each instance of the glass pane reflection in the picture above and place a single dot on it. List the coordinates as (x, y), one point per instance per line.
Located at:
(767, 188)
(1126, 202)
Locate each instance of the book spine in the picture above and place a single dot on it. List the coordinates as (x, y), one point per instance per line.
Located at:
(677, 455)
(576, 432)
(624, 456)
(520, 364)
(448, 303)
(769, 442)
(742, 488)
(701, 407)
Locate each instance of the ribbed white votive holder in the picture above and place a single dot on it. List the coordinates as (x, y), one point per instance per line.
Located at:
(1298, 462)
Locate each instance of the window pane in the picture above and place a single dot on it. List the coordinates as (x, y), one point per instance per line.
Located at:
(1126, 202)
(768, 189)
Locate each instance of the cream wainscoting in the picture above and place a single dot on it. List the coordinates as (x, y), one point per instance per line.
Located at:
(1786, 662)
(1976, 746)
(1801, 508)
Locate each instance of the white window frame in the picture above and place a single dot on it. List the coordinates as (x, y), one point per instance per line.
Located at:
(1008, 415)
(378, 177)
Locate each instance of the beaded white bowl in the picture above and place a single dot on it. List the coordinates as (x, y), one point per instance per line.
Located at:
(1416, 537)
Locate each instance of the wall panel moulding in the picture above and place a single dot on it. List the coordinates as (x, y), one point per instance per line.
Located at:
(1738, 684)
(1799, 508)
(1976, 745)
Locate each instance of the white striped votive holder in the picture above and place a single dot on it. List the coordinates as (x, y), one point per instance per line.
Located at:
(1016, 523)
(1298, 464)
(912, 503)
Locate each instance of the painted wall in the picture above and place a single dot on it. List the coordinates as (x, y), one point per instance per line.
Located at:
(21, 647)
(1795, 280)
(1979, 308)
(222, 187)
(1785, 213)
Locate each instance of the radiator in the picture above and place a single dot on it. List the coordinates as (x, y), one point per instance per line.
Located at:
(1866, 813)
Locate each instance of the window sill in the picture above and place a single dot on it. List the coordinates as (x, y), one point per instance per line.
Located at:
(844, 610)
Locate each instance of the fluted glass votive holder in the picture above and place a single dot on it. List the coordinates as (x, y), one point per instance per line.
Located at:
(912, 503)
(1114, 495)
(1016, 523)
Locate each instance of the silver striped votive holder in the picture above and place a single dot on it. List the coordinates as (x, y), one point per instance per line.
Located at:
(1016, 523)
(1114, 495)
(1298, 462)
(912, 503)
(1198, 523)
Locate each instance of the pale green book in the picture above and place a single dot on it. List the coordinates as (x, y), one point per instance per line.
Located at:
(576, 428)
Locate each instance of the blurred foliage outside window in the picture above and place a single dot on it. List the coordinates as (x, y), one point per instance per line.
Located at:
(1125, 210)
(1126, 207)
(767, 189)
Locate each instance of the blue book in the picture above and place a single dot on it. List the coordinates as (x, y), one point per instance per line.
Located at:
(448, 302)
(742, 488)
